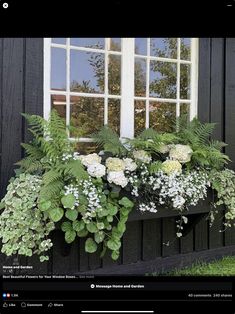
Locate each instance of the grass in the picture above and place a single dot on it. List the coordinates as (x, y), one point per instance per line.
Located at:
(223, 267)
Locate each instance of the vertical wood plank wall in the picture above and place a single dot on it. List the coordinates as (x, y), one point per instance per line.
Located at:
(21, 90)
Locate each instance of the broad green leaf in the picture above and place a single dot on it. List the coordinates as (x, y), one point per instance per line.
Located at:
(115, 255)
(112, 209)
(70, 236)
(44, 205)
(99, 237)
(91, 227)
(100, 225)
(68, 201)
(78, 225)
(66, 226)
(90, 246)
(121, 227)
(114, 244)
(110, 218)
(82, 233)
(71, 214)
(56, 214)
(126, 202)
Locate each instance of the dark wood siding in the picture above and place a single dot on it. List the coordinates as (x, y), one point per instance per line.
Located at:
(144, 243)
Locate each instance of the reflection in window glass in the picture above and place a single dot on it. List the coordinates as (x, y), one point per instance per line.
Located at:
(58, 102)
(162, 116)
(185, 110)
(162, 79)
(114, 75)
(163, 47)
(185, 81)
(87, 148)
(185, 45)
(114, 114)
(140, 77)
(140, 116)
(59, 41)
(86, 115)
(58, 69)
(115, 44)
(86, 72)
(97, 43)
(141, 46)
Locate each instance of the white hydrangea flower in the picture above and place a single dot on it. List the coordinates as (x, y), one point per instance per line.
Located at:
(170, 166)
(90, 159)
(118, 178)
(115, 164)
(130, 165)
(182, 153)
(163, 148)
(96, 170)
(142, 155)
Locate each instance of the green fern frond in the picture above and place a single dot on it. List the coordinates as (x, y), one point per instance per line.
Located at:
(217, 144)
(74, 168)
(148, 134)
(107, 139)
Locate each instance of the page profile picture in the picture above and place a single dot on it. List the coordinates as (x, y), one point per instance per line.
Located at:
(4, 4)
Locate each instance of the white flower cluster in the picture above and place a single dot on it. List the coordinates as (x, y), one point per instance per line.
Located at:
(151, 207)
(72, 189)
(134, 183)
(182, 153)
(96, 170)
(118, 178)
(74, 156)
(175, 190)
(142, 156)
(92, 195)
(90, 159)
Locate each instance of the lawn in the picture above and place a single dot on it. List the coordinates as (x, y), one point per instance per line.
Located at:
(223, 267)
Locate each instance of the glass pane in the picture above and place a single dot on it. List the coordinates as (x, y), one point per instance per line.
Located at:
(140, 77)
(185, 81)
(162, 79)
(58, 102)
(59, 41)
(114, 76)
(185, 48)
(162, 116)
(185, 110)
(140, 116)
(114, 111)
(87, 148)
(97, 43)
(86, 114)
(115, 44)
(141, 46)
(58, 69)
(163, 47)
(86, 72)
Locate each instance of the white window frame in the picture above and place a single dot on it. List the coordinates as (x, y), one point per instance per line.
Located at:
(127, 82)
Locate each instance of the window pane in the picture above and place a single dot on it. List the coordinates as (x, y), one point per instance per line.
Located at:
(59, 41)
(86, 72)
(185, 48)
(114, 111)
(97, 43)
(141, 46)
(87, 148)
(140, 77)
(185, 110)
(163, 47)
(114, 76)
(58, 69)
(162, 79)
(58, 102)
(87, 115)
(162, 116)
(115, 44)
(185, 81)
(140, 116)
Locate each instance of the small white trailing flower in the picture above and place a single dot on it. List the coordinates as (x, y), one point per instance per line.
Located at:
(182, 153)
(118, 178)
(115, 164)
(130, 165)
(178, 201)
(170, 166)
(185, 219)
(96, 170)
(151, 207)
(179, 234)
(90, 159)
(142, 155)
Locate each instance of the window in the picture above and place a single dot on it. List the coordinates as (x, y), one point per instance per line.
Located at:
(128, 83)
